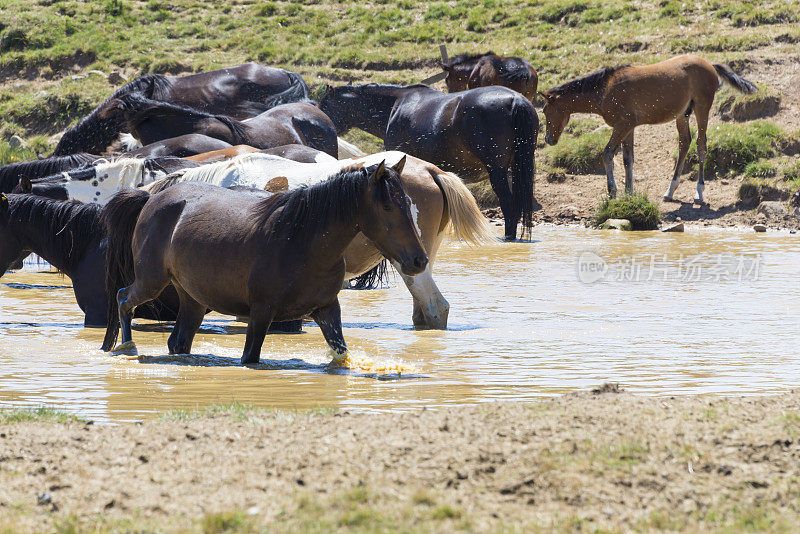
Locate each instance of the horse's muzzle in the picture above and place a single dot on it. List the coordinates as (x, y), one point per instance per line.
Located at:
(414, 265)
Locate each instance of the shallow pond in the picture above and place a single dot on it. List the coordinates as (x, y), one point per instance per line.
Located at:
(708, 311)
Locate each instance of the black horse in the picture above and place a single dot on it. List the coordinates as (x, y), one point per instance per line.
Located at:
(240, 92)
(69, 236)
(297, 123)
(10, 174)
(491, 128)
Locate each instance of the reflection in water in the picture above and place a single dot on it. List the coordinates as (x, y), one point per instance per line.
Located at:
(522, 325)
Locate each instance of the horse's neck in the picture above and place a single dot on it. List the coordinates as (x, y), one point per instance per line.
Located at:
(329, 244)
(384, 103)
(583, 103)
(40, 240)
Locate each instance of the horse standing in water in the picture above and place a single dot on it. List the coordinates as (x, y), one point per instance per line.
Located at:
(239, 92)
(271, 259)
(651, 94)
(298, 123)
(468, 71)
(491, 129)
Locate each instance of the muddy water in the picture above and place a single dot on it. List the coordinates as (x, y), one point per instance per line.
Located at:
(701, 312)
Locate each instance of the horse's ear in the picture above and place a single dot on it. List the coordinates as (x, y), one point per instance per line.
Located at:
(398, 167)
(378, 174)
(25, 184)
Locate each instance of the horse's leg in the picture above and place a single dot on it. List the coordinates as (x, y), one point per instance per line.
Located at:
(620, 132)
(190, 317)
(128, 298)
(627, 160)
(260, 318)
(684, 140)
(329, 319)
(430, 307)
(498, 177)
(701, 114)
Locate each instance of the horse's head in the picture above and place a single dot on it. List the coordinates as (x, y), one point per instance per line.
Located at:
(455, 78)
(556, 116)
(386, 219)
(11, 249)
(339, 104)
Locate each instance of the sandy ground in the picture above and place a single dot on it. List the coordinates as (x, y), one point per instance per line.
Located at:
(585, 461)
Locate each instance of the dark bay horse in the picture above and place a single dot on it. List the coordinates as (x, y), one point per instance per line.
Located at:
(651, 94)
(180, 147)
(468, 71)
(491, 129)
(272, 259)
(299, 123)
(69, 236)
(10, 174)
(239, 92)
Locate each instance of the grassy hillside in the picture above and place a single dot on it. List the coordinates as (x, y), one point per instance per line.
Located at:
(47, 47)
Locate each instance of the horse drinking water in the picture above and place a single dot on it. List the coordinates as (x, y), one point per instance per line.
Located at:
(651, 94)
(273, 259)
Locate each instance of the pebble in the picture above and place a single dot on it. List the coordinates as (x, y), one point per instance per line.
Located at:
(760, 228)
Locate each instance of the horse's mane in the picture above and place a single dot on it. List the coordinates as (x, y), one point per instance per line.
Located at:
(511, 69)
(10, 174)
(586, 84)
(141, 108)
(308, 209)
(68, 227)
(462, 59)
(92, 128)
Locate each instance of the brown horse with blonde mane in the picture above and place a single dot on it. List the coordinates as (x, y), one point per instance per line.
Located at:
(650, 94)
(468, 71)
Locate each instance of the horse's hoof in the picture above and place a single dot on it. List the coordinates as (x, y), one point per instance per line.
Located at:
(125, 349)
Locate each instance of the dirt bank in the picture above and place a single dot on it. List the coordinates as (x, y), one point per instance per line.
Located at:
(582, 461)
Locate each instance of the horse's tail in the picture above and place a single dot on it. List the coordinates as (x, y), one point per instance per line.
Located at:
(526, 130)
(297, 92)
(119, 220)
(348, 150)
(318, 134)
(734, 80)
(465, 218)
(372, 279)
(238, 131)
(129, 142)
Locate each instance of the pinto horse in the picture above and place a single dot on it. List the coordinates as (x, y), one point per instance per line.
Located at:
(69, 236)
(301, 153)
(439, 203)
(651, 94)
(468, 71)
(271, 259)
(299, 123)
(489, 128)
(240, 92)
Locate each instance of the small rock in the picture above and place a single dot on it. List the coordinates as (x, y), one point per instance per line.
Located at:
(556, 177)
(17, 142)
(772, 209)
(116, 77)
(724, 182)
(674, 228)
(616, 224)
(43, 499)
(569, 212)
(760, 228)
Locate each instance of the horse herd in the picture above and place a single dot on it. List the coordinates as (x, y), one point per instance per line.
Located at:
(277, 223)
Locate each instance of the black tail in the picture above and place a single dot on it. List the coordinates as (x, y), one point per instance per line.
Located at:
(297, 92)
(734, 80)
(318, 134)
(526, 130)
(372, 279)
(119, 220)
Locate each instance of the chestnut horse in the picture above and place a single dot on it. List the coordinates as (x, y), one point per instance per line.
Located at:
(488, 130)
(468, 71)
(650, 94)
(239, 92)
(271, 259)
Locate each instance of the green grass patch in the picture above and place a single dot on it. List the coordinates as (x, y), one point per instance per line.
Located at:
(732, 147)
(635, 207)
(761, 169)
(237, 410)
(579, 154)
(43, 414)
(733, 105)
(226, 522)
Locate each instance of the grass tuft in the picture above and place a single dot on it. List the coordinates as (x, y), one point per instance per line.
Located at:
(636, 207)
(581, 153)
(43, 414)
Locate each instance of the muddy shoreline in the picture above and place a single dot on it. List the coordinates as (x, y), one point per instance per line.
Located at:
(582, 461)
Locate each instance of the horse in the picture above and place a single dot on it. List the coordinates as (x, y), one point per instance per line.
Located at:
(240, 92)
(299, 123)
(629, 96)
(98, 182)
(299, 153)
(277, 258)
(439, 202)
(468, 71)
(487, 129)
(10, 174)
(181, 146)
(69, 236)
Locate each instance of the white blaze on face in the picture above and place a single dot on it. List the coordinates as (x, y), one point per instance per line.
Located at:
(414, 215)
